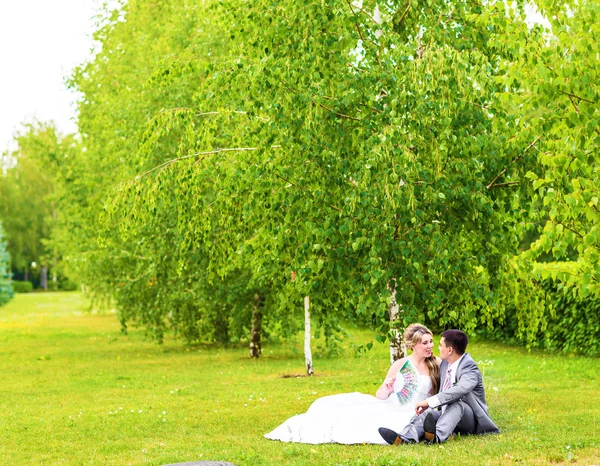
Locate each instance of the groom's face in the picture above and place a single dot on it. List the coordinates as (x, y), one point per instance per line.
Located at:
(445, 351)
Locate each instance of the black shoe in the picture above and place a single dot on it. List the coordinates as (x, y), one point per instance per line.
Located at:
(429, 425)
(390, 436)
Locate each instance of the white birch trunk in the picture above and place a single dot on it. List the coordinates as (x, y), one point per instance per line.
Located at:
(54, 259)
(256, 329)
(307, 353)
(44, 277)
(397, 345)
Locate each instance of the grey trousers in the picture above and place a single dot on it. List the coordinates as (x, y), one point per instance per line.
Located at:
(457, 418)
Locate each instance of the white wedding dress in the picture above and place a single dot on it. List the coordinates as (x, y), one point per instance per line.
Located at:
(351, 418)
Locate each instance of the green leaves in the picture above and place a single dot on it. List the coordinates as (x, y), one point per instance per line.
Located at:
(246, 143)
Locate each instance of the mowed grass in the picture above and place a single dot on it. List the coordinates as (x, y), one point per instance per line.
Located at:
(75, 391)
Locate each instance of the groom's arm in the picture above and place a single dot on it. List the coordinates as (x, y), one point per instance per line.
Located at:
(468, 381)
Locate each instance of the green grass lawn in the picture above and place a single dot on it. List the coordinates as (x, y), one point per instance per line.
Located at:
(75, 391)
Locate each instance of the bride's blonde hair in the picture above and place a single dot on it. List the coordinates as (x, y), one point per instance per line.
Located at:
(412, 337)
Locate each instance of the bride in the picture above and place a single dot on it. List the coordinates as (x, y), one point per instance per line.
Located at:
(355, 417)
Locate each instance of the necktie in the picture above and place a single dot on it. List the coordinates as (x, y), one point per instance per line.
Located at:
(448, 379)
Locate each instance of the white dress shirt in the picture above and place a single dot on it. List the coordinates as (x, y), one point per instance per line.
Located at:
(434, 401)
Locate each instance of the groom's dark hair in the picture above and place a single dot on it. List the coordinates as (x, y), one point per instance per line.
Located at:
(457, 339)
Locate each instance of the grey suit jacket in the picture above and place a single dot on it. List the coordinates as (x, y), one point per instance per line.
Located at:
(468, 388)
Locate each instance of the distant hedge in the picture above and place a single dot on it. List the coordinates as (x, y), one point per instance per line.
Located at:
(63, 284)
(571, 323)
(22, 286)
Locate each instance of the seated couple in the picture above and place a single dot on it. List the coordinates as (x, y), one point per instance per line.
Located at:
(422, 398)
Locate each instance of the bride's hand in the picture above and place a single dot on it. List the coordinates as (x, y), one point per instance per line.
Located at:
(389, 382)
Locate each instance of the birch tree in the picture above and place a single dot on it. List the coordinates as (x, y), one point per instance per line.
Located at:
(353, 151)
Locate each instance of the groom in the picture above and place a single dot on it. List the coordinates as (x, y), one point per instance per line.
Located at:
(459, 407)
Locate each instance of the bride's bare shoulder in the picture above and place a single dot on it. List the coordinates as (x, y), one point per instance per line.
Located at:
(398, 363)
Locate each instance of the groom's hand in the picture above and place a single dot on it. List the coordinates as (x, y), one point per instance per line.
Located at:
(421, 406)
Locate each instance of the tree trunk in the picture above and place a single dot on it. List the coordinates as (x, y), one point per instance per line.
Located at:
(221, 325)
(256, 330)
(44, 277)
(307, 353)
(397, 345)
(54, 258)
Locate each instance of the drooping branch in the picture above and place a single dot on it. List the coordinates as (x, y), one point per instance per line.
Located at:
(359, 30)
(517, 158)
(238, 112)
(199, 154)
(520, 156)
(308, 193)
(404, 14)
(362, 10)
(483, 107)
(574, 104)
(577, 97)
(493, 183)
(337, 113)
(326, 97)
(504, 185)
(570, 229)
(355, 21)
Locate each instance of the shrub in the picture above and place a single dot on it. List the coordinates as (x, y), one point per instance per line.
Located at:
(62, 284)
(569, 322)
(67, 285)
(22, 286)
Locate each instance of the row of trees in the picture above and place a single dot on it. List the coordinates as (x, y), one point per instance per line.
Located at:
(29, 209)
(385, 159)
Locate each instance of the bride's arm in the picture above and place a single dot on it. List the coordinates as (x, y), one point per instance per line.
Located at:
(387, 387)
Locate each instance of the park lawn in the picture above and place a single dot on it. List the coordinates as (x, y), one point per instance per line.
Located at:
(75, 391)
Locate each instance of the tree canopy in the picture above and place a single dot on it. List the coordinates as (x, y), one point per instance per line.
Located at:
(235, 157)
(352, 146)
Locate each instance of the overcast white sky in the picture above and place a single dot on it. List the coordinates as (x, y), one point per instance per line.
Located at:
(41, 41)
